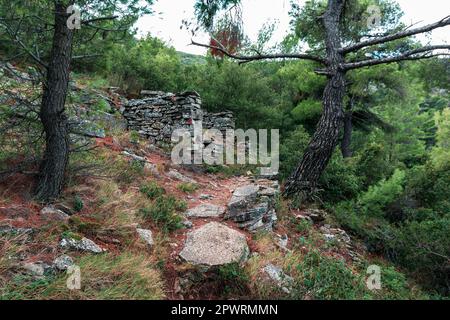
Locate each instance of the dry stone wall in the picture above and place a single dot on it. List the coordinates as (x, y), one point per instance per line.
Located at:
(158, 114)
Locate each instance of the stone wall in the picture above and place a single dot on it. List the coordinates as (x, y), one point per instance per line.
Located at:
(158, 114)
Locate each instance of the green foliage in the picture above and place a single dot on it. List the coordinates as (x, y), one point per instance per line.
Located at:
(78, 204)
(440, 155)
(306, 28)
(233, 278)
(152, 190)
(307, 111)
(379, 196)
(291, 151)
(187, 187)
(424, 247)
(143, 64)
(163, 212)
(340, 180)
(246, 90)
(31, 30)
(406, 218)
(206, 10)
(322, 277)
(303, 226)
(102, 105)
(429, 186)
(134, 137)
(372, 164)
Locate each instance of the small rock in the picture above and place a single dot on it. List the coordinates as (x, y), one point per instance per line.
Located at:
(279, 277)
(283, 241)
(178, 176)
(146, 235)
(37, 269)
(270, 192)
(84, 244)
(52, 214)
(205, 210)
(64, 208)
(62, 263)
(306, 218)
(133, 156)
(316, 215)
(177, 286)
(187, 224)
(87, 128)
(152, 168)
(9, 230)
(205, 197)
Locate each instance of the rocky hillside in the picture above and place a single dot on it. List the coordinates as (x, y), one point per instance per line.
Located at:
(139, 227)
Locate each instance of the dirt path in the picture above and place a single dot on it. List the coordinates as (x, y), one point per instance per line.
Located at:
(219, 191)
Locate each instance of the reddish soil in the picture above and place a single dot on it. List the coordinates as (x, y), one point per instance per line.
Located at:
(17, 209)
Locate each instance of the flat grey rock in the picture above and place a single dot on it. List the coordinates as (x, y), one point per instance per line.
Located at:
(281, 279)
(9, 230)
(34, 269)
(174, 174)
(146, 236)
(215, 244)
(63, 262)
(37, 269)
(52, 214)
(84, 244)
(242, 196)
(205, 210)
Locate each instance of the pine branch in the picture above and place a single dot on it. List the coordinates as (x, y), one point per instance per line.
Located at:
(399, 35)
(415, 54)
(245, 59)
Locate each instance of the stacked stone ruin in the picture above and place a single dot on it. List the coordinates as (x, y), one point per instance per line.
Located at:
(158, 114)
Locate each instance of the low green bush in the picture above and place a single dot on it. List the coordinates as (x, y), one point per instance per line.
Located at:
(321, 277)
(187, 187)
(163, 212)
(152, 190)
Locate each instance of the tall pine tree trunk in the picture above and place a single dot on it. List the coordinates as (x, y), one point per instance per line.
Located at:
(52, 113)
(347, 137)
(304, 179)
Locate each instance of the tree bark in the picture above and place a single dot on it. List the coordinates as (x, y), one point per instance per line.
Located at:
(303, 181)
(52, 113)
(347, 137)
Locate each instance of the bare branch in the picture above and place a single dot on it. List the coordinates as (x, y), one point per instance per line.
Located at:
(86, 56)
(402, 34)
(98, 19)
(416, 54)
(244, 59)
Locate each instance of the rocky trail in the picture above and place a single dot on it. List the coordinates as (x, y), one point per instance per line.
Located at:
(222, 217)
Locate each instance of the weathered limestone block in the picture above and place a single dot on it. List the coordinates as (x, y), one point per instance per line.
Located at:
(215, 244)
(205, 210)
(253, 206)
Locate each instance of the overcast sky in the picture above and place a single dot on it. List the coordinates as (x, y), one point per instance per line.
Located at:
(166, 21)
